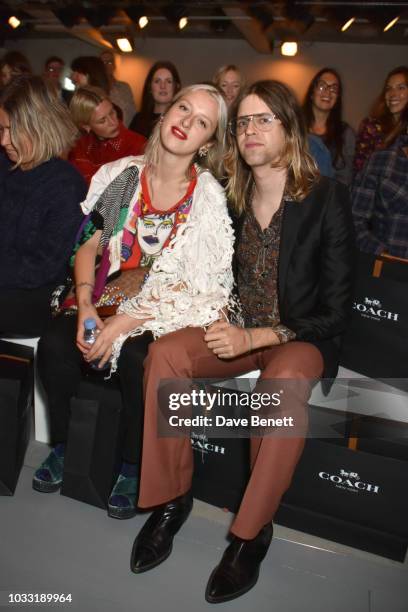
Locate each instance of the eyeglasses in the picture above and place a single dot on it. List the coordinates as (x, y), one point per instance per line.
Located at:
(322, 86)
(262, 122)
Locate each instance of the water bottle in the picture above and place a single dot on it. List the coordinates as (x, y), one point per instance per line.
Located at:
(90, 333)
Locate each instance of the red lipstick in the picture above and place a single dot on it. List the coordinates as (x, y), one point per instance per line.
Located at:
(178, 133)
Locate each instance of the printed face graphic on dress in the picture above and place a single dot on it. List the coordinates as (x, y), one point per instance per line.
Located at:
(152, 233)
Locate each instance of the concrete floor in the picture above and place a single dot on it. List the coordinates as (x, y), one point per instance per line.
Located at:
(54, 544)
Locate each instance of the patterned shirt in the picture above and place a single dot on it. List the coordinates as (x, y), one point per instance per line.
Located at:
(370, 138)
(258, 257)
(380, 202)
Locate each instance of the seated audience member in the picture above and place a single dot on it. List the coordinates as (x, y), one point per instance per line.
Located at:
(380, 201)
(288, 219)
(150, 217)
(105, 138)
(53, 72)
(119, 92)
(161, 85)
(89, 70)
(229, 79)
(323, 113)
(40, 197)
(13, 64)
(388, 119)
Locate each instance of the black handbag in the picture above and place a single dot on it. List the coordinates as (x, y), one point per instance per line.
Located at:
(16, 395)
(93, 451)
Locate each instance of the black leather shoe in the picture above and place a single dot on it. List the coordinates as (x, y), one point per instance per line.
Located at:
(155, 541)
(238, 570)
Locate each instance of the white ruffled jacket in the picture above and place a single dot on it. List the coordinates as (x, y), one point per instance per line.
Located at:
(191, 281)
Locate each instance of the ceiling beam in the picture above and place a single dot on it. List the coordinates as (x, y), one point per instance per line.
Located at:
(251, 29)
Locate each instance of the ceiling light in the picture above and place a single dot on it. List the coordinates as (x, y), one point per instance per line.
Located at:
(124, 44)
(391, 24)
(289, 48)
(348, 24)
(182, 23)
(176, 13)
(143, 21)
(14, 22)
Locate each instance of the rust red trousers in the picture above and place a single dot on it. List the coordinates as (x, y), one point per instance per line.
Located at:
(167, 463)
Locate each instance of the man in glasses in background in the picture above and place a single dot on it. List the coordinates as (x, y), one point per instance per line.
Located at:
(53, 72)
(293, 262)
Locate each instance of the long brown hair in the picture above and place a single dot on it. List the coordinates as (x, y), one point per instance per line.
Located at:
(382, 114)
(334, 136)
(302, 172)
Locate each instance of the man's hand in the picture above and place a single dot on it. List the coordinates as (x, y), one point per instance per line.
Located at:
(113, 327)
(227, 341)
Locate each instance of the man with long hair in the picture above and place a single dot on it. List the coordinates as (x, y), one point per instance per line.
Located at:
(293, 261)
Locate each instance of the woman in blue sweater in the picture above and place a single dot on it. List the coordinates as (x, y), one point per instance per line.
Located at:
(39, 203)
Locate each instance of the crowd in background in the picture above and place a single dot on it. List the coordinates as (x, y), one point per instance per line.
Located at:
(90, 185)
(104, 126)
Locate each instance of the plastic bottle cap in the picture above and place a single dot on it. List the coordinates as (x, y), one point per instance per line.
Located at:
(90, 324)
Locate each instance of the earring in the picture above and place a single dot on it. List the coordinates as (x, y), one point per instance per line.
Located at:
(202, 151)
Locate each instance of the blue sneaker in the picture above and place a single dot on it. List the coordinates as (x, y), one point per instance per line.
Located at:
(48, 477)
(122, 501)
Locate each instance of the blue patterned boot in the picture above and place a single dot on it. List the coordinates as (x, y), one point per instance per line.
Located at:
(48, 477)
(122, 501)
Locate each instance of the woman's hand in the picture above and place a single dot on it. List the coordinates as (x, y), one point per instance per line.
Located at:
(226, 340)
(86, 312)
(113, 327)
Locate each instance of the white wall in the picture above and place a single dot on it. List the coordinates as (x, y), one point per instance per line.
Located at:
(363, 67)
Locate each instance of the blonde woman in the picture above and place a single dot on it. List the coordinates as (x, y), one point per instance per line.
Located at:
(39, 202)
(104, 137)
(163, 218)
(230, 80)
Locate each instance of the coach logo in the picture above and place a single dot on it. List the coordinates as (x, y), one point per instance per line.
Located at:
(370, 302)
(349, 481)
(201, 443)
(372, 308)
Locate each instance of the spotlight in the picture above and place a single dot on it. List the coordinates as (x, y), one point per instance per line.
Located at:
(138, 15)
(391, 24)
(183, 22)
(176, 13)
(289, 48)
(124, 44)
(347, 24)
(14, 22)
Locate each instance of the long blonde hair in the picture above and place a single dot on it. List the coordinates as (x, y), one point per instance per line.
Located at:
(37, 116)
(213, 161)
(302, 172)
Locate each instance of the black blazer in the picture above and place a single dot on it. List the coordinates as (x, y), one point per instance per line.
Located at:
(315, 268)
